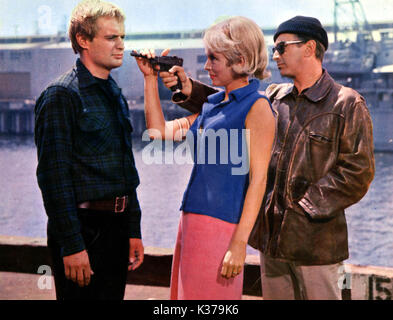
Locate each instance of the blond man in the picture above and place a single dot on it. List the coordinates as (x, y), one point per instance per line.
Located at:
(86, 169)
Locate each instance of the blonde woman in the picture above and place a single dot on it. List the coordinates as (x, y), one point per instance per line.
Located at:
(223, 198)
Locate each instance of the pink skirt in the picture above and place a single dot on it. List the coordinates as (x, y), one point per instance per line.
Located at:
(202, 242)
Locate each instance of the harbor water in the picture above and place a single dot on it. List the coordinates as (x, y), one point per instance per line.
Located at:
(370, 222)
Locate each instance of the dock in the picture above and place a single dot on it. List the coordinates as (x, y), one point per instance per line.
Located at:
(25, 275)
(17, 116)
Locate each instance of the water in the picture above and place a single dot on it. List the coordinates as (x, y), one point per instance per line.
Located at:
(370, 222)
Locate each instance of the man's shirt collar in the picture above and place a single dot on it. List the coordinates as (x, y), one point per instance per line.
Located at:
(86, 79)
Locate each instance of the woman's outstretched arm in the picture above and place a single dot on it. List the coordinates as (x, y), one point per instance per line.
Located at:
(158, 127)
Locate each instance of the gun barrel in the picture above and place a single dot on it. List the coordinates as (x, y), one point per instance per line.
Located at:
(165, 63)
(168, 60)
(136, 54)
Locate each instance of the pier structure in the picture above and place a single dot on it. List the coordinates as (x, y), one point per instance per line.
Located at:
(17, 117)
(30, 256)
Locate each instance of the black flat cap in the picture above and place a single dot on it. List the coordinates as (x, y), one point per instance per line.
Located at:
(308, 26)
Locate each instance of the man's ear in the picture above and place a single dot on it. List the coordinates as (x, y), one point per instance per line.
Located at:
(311, 47)
(82, 41)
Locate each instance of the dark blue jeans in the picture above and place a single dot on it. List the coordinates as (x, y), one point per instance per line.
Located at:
(107, 243)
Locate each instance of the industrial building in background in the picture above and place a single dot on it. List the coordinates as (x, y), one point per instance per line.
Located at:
(360, 56)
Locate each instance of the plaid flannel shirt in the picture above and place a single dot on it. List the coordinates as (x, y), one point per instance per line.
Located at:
(83, 139)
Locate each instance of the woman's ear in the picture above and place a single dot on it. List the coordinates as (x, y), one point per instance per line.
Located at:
(238, 67)
(242, 61)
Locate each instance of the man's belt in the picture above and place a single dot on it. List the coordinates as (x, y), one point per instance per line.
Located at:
(118, 204)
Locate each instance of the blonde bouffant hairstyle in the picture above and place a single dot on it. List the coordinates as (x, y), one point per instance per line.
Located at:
(238, 37)
(84, 17)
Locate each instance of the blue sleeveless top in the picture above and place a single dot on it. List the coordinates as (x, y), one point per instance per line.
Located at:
(217, 138)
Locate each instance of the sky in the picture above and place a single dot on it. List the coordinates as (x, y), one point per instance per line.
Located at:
(48, 17)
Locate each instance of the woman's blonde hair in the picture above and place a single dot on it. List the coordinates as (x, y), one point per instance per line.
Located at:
(238, 37)
(84, 18)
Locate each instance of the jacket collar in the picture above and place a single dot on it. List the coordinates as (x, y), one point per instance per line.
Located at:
(316, 92)
(237, 94)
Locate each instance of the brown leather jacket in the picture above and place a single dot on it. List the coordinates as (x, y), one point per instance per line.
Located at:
(322, 162)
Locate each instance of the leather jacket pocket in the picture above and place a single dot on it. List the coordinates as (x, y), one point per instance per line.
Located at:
(321, 150)
(319, 138)
(95, 134)
(311, 241)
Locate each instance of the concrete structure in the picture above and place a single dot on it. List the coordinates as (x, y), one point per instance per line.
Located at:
(28, 259)
(30, 256)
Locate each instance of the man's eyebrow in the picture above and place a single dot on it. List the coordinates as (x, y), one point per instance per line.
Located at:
(115, 36)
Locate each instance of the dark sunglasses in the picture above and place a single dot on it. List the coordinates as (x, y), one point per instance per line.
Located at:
(280, 47)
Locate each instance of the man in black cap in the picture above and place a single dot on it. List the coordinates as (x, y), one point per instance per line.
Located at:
(322, 163)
